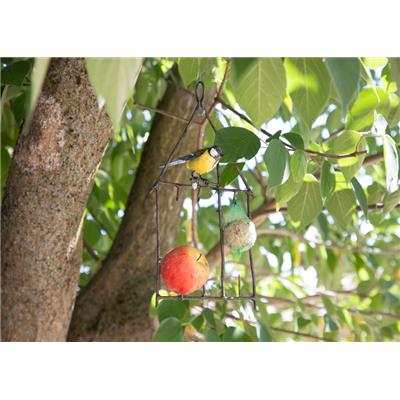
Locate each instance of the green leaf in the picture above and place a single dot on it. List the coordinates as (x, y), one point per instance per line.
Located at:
(15, 73)
(395, 71)
(91, 232)
(391, 157)
(235, 334)
(341, 206)
(5, 164)
(284, 192)
(308, 85)
(212, 336)
(330, 325)
(113, 80)
(294, 139)
(298, 165)
(307, 204)
(374, 62)
(329, 306)
(198, 323)
(393, 114)
(260, 87)
(170, 330)
(209, 317)
(251, 331)
(345, 74)
(331, 260)
(362, 112)
(39, 72)
(361, 196)
(334, 120)
(346, 143)
(191, 69)
(276, 135)
(390, 201)
(328, 181)
(375, 193)
(263, 333)
(276, 157)
(230, 172)
(173, 308)
(237, 143)
(302, 322)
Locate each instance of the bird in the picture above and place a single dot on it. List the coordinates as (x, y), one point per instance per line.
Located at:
(201, 161)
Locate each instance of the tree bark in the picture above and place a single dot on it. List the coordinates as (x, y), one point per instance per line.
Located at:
(47, 189)
(115, 305)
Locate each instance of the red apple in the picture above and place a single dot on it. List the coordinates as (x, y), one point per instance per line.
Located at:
(184, 269)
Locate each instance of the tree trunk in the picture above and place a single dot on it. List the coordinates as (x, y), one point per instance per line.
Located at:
(115, 305)
(47, 189)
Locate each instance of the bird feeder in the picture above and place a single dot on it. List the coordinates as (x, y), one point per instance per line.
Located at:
(160, 183)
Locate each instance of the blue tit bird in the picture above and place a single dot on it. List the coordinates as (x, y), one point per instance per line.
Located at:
(201, 161)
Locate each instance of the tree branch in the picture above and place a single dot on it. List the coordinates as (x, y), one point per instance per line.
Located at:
(281, 300)
(290, 332)
(308, 151)
(302, 238)
(259, 216)
(90, 250)
(114, 305)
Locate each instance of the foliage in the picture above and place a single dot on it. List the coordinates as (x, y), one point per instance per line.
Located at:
(317, 139)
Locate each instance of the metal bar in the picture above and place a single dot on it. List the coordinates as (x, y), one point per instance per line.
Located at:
(176, 146)
(200, 185)
(253, 275)
(217, 298)
(209, 121)
(158, 244)
(221, 234)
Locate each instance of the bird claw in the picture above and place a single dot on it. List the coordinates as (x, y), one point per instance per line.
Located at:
(205, 181)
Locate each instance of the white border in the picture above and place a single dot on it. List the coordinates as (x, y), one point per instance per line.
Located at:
(199, 28)
(200, 371)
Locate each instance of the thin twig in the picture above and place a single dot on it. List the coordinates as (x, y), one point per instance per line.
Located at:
(377, 206)
(373, 159)
(308, 151)
(217, 96)
(300, 334)
(272, 328)
(302, 238)
(90, 250)
(333, 134)
(162, 112)
(224, 79)
(281, 300)
(100, 224)
(260, 179)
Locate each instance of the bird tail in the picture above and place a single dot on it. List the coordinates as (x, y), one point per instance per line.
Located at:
(172, 163)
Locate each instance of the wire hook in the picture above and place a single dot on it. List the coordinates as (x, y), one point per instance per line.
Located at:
(200, 94)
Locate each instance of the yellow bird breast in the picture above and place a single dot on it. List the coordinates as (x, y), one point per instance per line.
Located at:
(203, 164)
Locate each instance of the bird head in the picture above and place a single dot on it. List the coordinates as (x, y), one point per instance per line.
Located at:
(216, 152)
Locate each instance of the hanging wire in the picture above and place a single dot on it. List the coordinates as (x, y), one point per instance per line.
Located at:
(199, 93)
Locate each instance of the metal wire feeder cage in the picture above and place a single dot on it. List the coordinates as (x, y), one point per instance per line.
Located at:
(199, 94)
